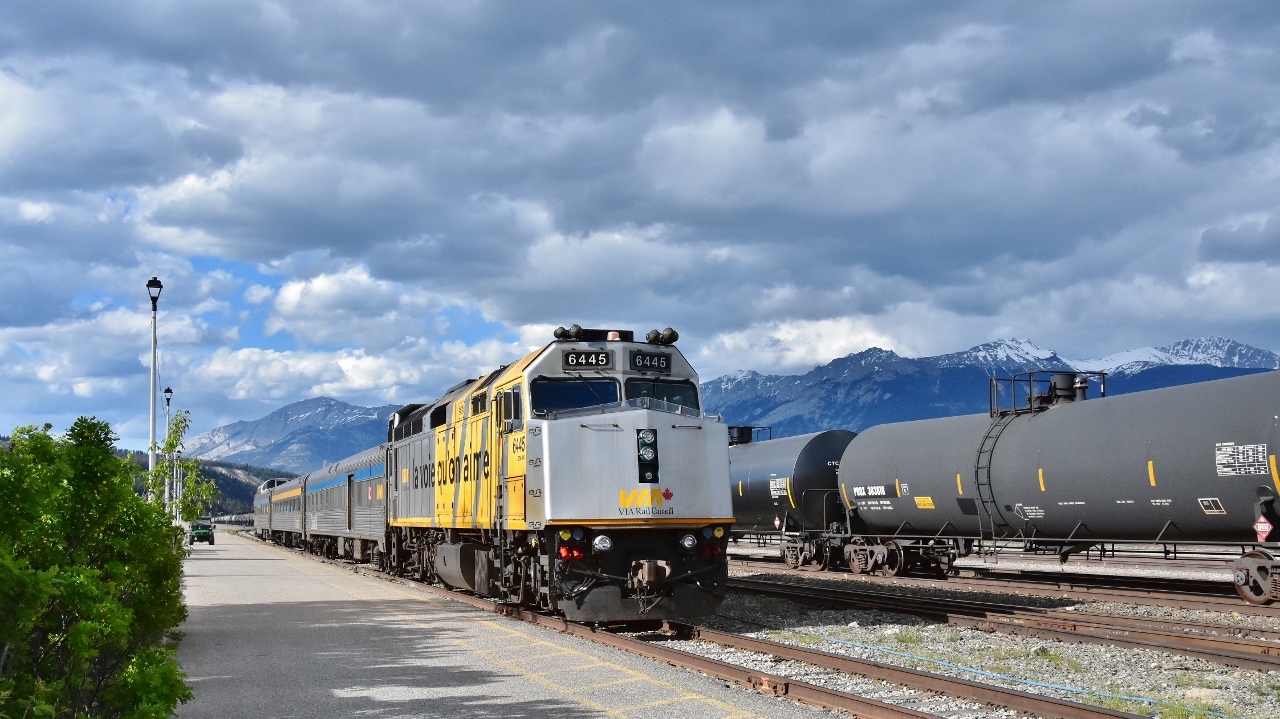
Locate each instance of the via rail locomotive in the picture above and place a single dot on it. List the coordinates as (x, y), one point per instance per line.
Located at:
(1194, 464)
(583, 479)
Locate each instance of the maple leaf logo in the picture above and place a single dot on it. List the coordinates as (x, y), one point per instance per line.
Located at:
(667, 495)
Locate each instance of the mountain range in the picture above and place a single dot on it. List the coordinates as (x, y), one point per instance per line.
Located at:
(855, 392)
(298, 437)
(876, 386)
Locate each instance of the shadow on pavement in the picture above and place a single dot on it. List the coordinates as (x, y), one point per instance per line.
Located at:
(348, 658)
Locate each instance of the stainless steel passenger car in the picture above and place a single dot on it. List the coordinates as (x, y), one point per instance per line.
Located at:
(346, 507)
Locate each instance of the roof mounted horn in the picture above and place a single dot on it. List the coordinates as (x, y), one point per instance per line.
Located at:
(665, 337)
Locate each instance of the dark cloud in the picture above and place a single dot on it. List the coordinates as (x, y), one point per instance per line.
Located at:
(1245, 242)
(927, 175)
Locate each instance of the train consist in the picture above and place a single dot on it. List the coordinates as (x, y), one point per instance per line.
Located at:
(583, 479)
(1050, 469)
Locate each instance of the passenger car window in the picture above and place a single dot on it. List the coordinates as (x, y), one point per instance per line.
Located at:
(682, 393)
(556, 395)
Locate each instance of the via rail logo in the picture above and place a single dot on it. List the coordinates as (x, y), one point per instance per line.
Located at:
(645, 502)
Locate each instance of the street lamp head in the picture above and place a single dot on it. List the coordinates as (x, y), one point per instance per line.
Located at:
(153, 288)
(168, 395)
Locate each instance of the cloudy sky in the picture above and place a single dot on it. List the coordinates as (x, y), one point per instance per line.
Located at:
(371, 200)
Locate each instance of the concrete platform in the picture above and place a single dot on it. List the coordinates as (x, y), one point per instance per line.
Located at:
(274, 634)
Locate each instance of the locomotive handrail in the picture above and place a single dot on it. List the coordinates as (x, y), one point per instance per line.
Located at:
(627, 404)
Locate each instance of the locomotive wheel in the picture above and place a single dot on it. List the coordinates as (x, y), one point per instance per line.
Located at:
(1254, 588)
(895, 560)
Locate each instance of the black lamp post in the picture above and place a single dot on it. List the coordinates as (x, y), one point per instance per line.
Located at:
(153, 289)
(168, 494)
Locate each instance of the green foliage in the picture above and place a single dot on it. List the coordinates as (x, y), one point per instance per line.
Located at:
(89, 583)
(198, 492)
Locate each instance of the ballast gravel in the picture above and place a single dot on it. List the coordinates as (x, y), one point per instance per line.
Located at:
(1185, 687)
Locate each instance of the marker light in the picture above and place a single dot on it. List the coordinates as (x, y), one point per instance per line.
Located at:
(577, 533)
(688, 541)
(602, 543)
(565, 534)
(718, 532)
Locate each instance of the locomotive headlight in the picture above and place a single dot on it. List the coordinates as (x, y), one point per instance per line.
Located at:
(688, 541)
(646, 436)
(602, 543)
(647, 454)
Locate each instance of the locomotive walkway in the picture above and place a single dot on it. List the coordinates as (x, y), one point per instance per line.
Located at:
(273, 634)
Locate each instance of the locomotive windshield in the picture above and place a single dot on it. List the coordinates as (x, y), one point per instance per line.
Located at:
(670, 391)
(558, 395)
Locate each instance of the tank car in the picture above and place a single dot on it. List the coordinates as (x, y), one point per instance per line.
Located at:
(788, 487)
(1188, 464)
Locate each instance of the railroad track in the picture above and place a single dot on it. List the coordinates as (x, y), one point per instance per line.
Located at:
(1243, 647)
(920, 682)
(1197, 594)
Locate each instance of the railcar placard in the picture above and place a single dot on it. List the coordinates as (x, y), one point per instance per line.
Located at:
(651, 361)
(588, 359)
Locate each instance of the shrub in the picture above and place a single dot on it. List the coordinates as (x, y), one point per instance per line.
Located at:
(89, 583)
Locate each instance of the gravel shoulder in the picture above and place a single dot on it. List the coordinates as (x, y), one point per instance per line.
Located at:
(1195, 687)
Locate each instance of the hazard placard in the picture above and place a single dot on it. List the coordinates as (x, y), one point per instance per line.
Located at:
(1263, 528)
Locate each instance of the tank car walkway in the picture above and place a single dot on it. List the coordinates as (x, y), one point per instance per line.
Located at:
(273, 634)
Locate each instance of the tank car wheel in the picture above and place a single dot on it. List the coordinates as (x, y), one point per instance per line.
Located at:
(1252, 585)
(820, 560)
(895, 559)
(791, 555)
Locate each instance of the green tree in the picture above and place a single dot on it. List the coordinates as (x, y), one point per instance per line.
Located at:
(89, 583)
(198, 492)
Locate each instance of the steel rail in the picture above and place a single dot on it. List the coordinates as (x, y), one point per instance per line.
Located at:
(1042, 706)
(804, 692)
(1187, 638)
(1199, 595)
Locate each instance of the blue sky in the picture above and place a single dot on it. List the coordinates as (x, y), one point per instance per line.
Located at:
(373, 200)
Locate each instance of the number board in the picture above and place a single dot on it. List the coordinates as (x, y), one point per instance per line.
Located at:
(651, 361)
(588, 359)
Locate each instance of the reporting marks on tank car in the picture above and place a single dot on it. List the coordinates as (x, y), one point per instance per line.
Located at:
(1234, 459)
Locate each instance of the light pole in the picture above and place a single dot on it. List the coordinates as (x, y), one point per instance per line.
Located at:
(153, 289)
(168, 493)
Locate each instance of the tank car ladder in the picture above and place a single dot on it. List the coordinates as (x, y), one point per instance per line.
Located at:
(982, 478)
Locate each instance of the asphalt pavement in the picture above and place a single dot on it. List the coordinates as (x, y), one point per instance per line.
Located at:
(272, 633)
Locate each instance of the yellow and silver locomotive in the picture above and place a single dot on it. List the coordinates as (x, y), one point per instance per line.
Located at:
(583, 479)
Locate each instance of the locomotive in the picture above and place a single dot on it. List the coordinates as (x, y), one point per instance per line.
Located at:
(1046, 467)
(583, 479)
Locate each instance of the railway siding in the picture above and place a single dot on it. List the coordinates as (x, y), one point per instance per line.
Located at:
(1198, 686)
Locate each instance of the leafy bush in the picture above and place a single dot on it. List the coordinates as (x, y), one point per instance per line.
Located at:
(89, 583)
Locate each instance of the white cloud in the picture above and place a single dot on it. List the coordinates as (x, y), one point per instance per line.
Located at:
(257, 294)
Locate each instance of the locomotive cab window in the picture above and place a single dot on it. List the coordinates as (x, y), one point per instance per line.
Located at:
(557, 395)
(681, 392)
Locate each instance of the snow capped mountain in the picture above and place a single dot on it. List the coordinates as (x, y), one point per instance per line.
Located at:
(1001, 354)
(298, 437)
(1211, 351)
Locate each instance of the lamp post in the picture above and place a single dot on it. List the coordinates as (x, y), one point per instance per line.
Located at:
(168, 482)
(153, 289)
